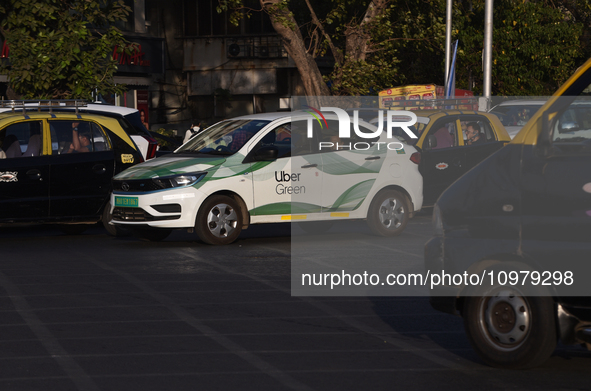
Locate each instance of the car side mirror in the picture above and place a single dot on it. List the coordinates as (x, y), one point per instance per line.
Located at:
(266, 154)
(431, 141)
(566, 127)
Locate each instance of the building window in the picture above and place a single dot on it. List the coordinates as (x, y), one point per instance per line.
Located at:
(202, 19)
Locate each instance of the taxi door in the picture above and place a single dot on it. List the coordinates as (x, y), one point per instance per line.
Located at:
(289, 186)
(80, 181)
(24, 180)
(442, 158)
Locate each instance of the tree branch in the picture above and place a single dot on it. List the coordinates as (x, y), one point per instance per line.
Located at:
(338, 55)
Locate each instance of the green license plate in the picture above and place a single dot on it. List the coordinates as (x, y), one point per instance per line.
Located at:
(130, 202)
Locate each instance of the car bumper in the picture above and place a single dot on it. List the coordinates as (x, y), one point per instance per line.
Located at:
(173, 208)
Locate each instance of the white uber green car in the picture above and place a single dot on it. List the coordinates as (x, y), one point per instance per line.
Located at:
(267, 168)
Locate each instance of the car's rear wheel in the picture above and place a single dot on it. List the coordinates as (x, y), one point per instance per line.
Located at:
(219, 220)
(388, 213)
(152, 234)
(510, 330)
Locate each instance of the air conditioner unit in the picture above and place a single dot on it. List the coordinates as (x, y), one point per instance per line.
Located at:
(238, 48)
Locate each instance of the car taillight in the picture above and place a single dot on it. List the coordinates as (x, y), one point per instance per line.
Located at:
(416, 158)
(152, 147)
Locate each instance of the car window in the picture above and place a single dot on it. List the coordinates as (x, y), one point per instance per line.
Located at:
(91, 137)
(574, 125)
(482, 124)
(300, 142)
(23, 139)
(224, 138)
(517, 115)
(443, 134)
(280, 138)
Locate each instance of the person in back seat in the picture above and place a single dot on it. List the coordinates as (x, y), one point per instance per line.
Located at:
(473, 135)
(80, 140)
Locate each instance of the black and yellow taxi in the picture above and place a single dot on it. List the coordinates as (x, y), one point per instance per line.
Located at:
(447, 152)
(516, 230)
(56, 167)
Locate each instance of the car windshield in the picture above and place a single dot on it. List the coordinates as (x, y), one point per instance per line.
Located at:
(517, 115)
(224, 138)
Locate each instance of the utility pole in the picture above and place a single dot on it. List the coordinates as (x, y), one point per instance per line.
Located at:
(448, 16)
(487, 55)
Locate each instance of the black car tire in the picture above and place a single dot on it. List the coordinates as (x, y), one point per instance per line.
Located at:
(510, 330)
(219, 220)
(112, 230)
(316, 227)
(152, 234)
(73, 229)
(388, 213)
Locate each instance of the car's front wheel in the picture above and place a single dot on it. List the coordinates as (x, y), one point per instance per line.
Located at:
(510, 330)
(219, 220)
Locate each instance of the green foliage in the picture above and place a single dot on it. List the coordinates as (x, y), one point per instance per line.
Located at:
(536, 47)
(62, 48)
(380, 66)
(408, 47)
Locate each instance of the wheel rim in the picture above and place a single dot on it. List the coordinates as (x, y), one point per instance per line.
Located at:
(222, 220)
(506, 319)
(391, 213)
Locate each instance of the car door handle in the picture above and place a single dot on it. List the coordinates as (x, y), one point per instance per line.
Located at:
(34, 174)
(99, 169)
(372, 158)
(310, 165)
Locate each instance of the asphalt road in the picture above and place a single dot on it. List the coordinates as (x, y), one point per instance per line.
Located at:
(92, 312)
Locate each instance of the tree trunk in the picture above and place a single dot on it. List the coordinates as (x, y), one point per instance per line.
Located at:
(358, 37)
(286, 26)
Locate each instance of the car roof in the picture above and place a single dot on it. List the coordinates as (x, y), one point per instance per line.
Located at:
(436, 113)
(268, 116)
(520, 102)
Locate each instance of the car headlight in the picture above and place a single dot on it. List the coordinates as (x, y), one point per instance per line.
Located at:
(437, 221)
(181, 180)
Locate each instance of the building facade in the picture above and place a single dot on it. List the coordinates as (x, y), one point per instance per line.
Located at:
(192, 63)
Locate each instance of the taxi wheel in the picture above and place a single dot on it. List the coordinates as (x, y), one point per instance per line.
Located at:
(510, 330)
(219, 220)
(152, 234)
(112, 230)
(388, 213)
